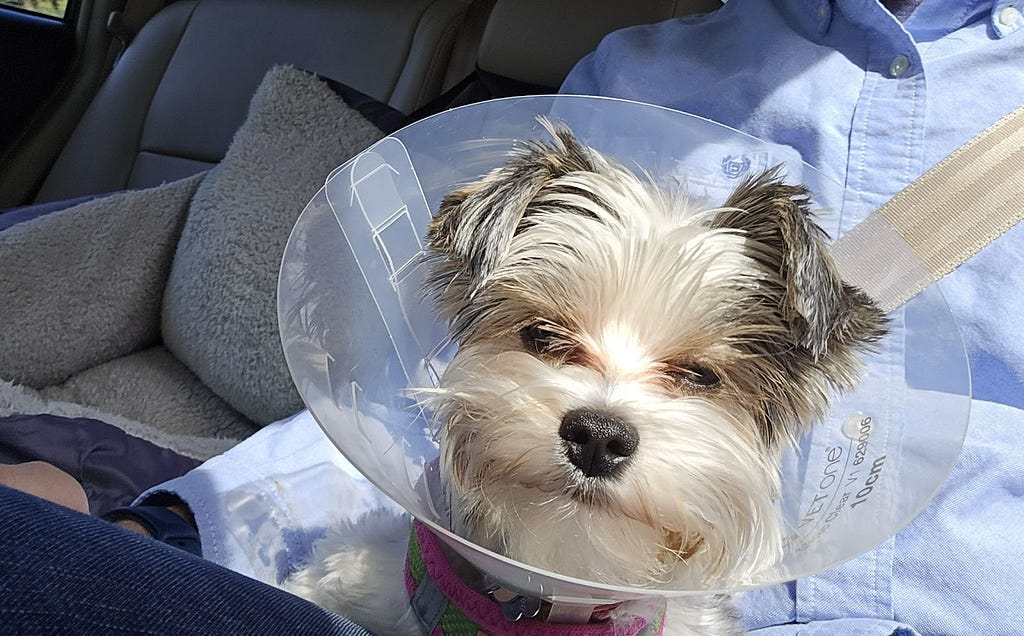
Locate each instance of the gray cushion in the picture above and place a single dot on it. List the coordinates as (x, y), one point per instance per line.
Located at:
(220, 311)
(83, 286)
(18, 399)
(152, 387)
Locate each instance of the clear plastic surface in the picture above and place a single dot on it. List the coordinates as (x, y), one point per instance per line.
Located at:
(851, 483)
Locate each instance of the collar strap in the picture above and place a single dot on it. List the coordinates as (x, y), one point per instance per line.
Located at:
(445, 605)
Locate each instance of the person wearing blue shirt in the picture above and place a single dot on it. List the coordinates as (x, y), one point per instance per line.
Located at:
(873, 95)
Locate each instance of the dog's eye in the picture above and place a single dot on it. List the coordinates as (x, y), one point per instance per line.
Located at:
(541, 338)
(695, 375)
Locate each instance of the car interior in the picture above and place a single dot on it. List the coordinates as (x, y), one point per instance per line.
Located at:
(155, 156)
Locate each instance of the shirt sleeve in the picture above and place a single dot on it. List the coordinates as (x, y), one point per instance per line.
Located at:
(260, 506)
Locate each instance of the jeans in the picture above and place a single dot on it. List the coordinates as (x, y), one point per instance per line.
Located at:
(62, 572)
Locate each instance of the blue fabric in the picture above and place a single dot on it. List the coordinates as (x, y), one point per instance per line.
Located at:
(163, 524)
(259, 507)
(824, 78)
(65, 573)
(112, 466)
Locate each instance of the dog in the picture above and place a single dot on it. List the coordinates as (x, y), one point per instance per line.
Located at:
(630, 367)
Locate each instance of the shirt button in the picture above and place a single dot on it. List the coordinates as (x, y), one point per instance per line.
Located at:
(899, 65)
(1009, 16)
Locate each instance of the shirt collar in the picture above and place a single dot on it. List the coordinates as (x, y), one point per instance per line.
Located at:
(814, 17)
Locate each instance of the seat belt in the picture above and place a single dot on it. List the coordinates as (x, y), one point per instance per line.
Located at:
(940, 220)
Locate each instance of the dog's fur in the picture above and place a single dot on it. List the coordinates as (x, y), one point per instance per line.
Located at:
(585, 298)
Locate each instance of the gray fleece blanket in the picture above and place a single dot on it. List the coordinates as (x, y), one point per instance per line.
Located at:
(155, 310)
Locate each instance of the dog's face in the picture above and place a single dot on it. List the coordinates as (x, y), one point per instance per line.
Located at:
(629, 366)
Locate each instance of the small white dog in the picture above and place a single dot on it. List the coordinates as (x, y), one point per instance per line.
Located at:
(629, 370)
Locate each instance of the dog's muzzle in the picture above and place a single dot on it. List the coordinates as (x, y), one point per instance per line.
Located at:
(597, 443)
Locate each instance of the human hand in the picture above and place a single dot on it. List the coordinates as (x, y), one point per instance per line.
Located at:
(47, 482)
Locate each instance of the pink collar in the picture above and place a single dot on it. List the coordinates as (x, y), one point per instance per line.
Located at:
(446, 605)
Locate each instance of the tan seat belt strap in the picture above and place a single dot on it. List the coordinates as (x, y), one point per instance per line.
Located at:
(940, 220)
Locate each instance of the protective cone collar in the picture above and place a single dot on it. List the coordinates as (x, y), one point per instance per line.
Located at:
(357, 332)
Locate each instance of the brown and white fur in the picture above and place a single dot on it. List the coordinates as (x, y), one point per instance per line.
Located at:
(630, 368)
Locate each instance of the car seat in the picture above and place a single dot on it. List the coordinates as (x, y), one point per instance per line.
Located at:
(180, 91)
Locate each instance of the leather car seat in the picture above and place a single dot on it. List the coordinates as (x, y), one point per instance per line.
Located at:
(175, 99)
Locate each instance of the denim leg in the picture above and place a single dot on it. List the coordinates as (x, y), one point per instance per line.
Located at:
(62, 572)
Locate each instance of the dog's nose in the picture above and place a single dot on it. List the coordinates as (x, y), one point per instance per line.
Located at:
(597, 443)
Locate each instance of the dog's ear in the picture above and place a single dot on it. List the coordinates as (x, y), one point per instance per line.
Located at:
(476, 223)
(823, 313)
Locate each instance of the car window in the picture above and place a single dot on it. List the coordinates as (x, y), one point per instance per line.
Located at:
(53, 8)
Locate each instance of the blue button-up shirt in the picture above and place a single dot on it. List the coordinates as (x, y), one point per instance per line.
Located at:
(874, 103)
